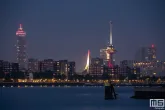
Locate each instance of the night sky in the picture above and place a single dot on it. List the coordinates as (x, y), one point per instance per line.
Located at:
(66, 29)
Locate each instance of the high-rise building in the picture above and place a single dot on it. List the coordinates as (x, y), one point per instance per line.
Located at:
(146, 54)
(33, 65)
(151, 68)
(96, 70)
(8, 67)
(57, 67)
(46, 65)
(152, 53)
(71, 68)
(21, 48)
(103, 55)
(108, 54)
(63, 67)
(96, 67)
(97, 61)
(142, 54)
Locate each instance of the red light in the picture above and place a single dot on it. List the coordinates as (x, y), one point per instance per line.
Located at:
(20, 31)
(152, 46)
(110, 65)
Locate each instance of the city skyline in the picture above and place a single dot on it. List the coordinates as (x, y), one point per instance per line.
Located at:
(20, 33)
(70, 38)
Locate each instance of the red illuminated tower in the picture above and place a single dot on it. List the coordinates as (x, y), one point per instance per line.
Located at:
(21, 48)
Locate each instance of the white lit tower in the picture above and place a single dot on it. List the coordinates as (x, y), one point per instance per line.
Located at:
(111, 49)
(108, 53)
(88, 62)
(21, 48)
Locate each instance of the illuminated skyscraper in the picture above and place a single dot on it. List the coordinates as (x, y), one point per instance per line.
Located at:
(146, 53)
(21, 48)
(152, 53)
(107, 54)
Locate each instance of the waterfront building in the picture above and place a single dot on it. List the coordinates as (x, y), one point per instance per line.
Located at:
(71, 68)
(64, 67)
(46, 65)
(33, 65)
(96, 67)
(8, 67)
(61, 67)
(151, 68)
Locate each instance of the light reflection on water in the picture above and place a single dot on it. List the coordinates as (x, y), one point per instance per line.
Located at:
(68, 98)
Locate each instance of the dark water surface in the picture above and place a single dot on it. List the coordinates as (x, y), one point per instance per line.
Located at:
(68, 98)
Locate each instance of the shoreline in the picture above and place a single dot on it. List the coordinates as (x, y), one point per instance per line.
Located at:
(11, 84)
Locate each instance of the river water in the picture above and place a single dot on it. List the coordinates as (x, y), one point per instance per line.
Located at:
(68, 98)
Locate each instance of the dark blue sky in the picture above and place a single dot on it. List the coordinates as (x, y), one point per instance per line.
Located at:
(66, 29)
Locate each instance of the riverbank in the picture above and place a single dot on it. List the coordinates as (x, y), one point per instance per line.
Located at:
(16, 84)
